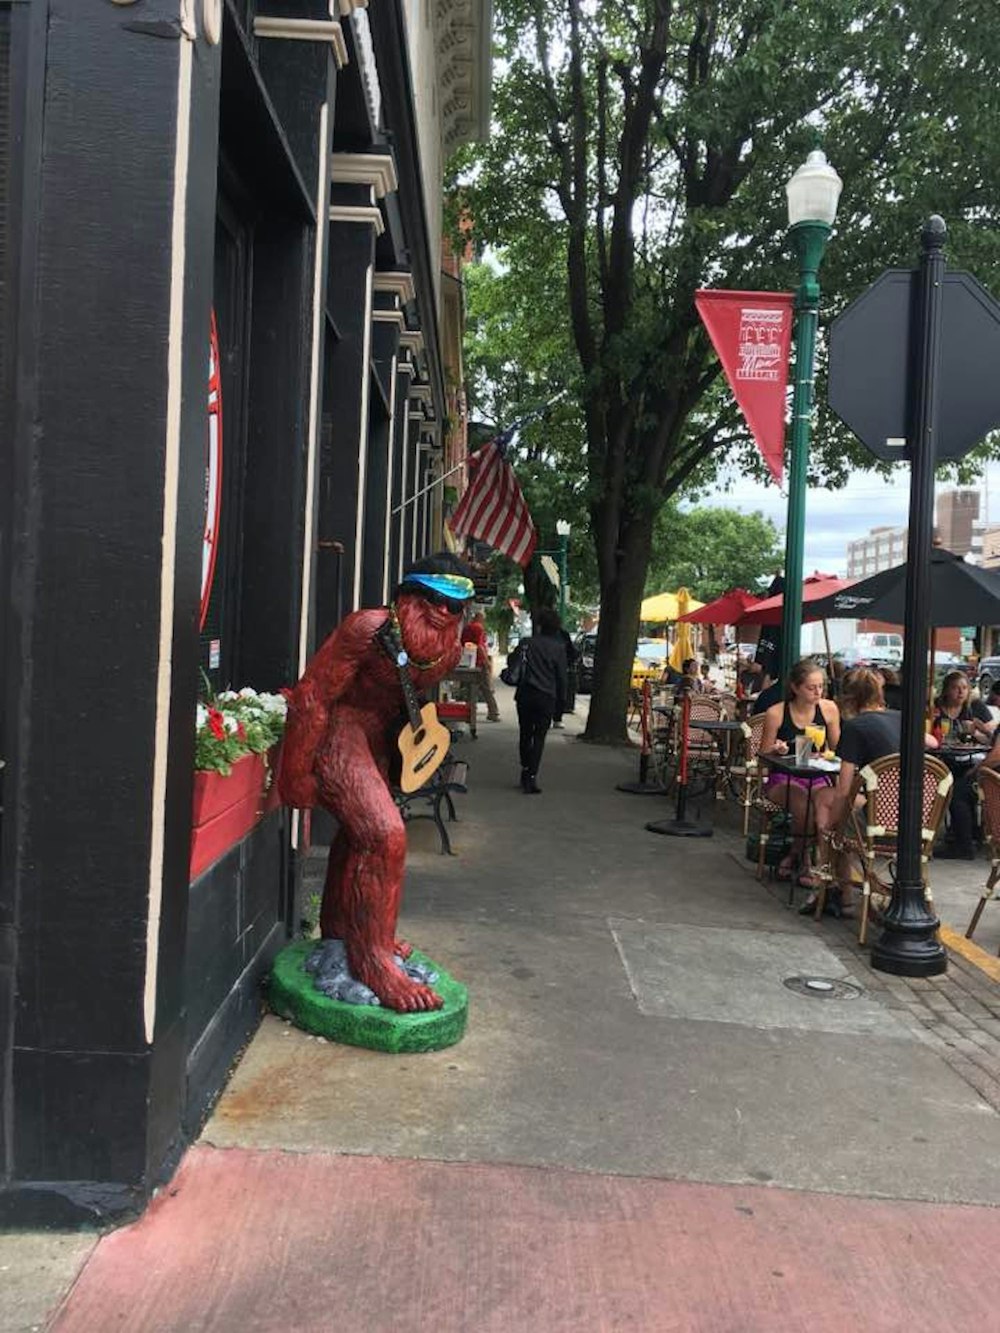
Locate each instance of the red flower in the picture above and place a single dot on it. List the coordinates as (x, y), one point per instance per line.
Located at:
(241, 731)
(216, 725)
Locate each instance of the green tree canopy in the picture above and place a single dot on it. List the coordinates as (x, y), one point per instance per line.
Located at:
(639, 153)
(711, 550)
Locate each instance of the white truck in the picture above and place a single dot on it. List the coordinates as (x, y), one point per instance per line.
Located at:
(880, 647)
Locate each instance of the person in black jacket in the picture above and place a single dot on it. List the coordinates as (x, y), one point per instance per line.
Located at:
(541, 693)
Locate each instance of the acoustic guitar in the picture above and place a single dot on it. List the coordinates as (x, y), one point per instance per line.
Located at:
(424, 742)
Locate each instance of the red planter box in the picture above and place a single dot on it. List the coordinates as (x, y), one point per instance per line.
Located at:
(225, 809)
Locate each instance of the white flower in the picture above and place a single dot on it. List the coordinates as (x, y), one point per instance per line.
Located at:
(226, 696)
(274, 703)
(201, 717)
(231, 724)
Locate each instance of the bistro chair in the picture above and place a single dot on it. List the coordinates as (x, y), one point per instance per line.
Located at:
(744, 770)
(988, 780)
(704, 756)
(868, 833)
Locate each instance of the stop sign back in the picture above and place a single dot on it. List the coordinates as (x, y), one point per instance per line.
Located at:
(871, 359)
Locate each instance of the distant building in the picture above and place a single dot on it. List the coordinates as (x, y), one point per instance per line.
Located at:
(991, 547)
(958, 524)
(882, 548)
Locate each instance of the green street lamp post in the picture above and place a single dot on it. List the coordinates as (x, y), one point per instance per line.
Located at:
(813, 193)
(562, 531)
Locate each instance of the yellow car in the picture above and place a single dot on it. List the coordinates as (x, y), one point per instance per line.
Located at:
(650, 661)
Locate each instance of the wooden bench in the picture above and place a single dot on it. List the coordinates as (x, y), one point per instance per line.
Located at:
(450, 777)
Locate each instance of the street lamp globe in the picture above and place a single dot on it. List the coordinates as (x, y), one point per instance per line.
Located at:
(562, 527)
(814, 191)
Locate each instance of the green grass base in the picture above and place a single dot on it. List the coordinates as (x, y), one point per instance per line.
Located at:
(291, 994)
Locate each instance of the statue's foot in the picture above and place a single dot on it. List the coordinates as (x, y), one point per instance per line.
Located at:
(402, 948)
(393, 987)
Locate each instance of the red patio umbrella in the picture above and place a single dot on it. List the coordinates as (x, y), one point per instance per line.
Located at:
(725, 610)
(817, 586)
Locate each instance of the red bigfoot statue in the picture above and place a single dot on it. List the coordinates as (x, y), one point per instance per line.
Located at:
(344, 717)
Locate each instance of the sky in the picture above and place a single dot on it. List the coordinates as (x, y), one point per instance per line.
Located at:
(833, 518)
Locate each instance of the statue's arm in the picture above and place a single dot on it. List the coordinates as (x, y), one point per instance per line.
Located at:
(328, 675)
(339, 659)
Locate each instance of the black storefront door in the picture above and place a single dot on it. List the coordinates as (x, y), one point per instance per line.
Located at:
(220, 634)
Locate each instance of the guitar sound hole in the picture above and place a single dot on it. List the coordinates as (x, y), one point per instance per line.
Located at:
(422, 763)
(418, 736)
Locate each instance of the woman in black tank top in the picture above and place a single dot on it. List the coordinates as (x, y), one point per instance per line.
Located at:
(788, 730)
(804, 707)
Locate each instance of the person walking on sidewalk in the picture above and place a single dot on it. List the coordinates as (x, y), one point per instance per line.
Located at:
(541, 693)
(475, 632)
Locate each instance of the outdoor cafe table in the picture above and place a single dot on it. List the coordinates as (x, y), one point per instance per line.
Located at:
(788, 766)
(962, 754)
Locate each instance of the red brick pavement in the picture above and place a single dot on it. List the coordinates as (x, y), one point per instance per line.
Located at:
(258, 1241)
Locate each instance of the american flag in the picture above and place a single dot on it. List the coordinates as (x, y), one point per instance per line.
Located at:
(493, 510)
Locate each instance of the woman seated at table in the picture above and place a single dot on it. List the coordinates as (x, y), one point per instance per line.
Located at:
(804, 707)
(956, 712)
(891, 688)
(868, 731)
(690, 678)
(963, 810)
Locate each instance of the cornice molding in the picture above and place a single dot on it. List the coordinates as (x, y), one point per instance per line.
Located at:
(411, 338)
(389, 317)
(304, 30)
(347, 7)
(422, 392)
(397, 281)
(375, 169)
(358, 213)
(464, 53)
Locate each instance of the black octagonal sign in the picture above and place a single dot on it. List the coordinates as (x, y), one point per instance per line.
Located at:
(870, 359)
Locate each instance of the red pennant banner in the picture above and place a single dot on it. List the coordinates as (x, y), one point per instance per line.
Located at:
(752, 333)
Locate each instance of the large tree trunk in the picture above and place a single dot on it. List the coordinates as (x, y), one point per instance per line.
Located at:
(618, 627)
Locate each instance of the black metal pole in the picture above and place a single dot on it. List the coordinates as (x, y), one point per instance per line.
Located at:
(908, 945)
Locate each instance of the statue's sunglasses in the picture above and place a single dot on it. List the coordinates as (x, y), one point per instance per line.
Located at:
(438, 599)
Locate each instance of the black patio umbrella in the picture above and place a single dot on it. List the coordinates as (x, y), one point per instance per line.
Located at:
(961, 594)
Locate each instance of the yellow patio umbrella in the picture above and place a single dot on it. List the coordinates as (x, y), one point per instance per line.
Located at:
(664, 606)
(684, 643)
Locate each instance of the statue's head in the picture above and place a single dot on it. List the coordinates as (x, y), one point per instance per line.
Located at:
(438, 588)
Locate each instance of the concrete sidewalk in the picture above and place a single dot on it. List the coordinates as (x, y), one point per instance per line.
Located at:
(630, 1029)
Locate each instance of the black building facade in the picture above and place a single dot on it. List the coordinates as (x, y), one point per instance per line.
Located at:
(170, 167)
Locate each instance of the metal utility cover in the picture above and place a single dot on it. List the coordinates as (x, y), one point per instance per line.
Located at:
(870, 365)
(717, 974)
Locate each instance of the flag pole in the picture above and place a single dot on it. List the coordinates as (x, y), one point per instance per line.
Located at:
(528, 416)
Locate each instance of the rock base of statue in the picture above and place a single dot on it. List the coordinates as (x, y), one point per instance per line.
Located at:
(292, 994)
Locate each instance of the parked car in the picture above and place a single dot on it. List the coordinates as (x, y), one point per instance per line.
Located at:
(849, 658)
(650, 661)
(989, 674)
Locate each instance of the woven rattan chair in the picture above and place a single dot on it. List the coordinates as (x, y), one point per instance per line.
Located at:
(745, 770)
(868, 833)
(988, 780)
(704, 757)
